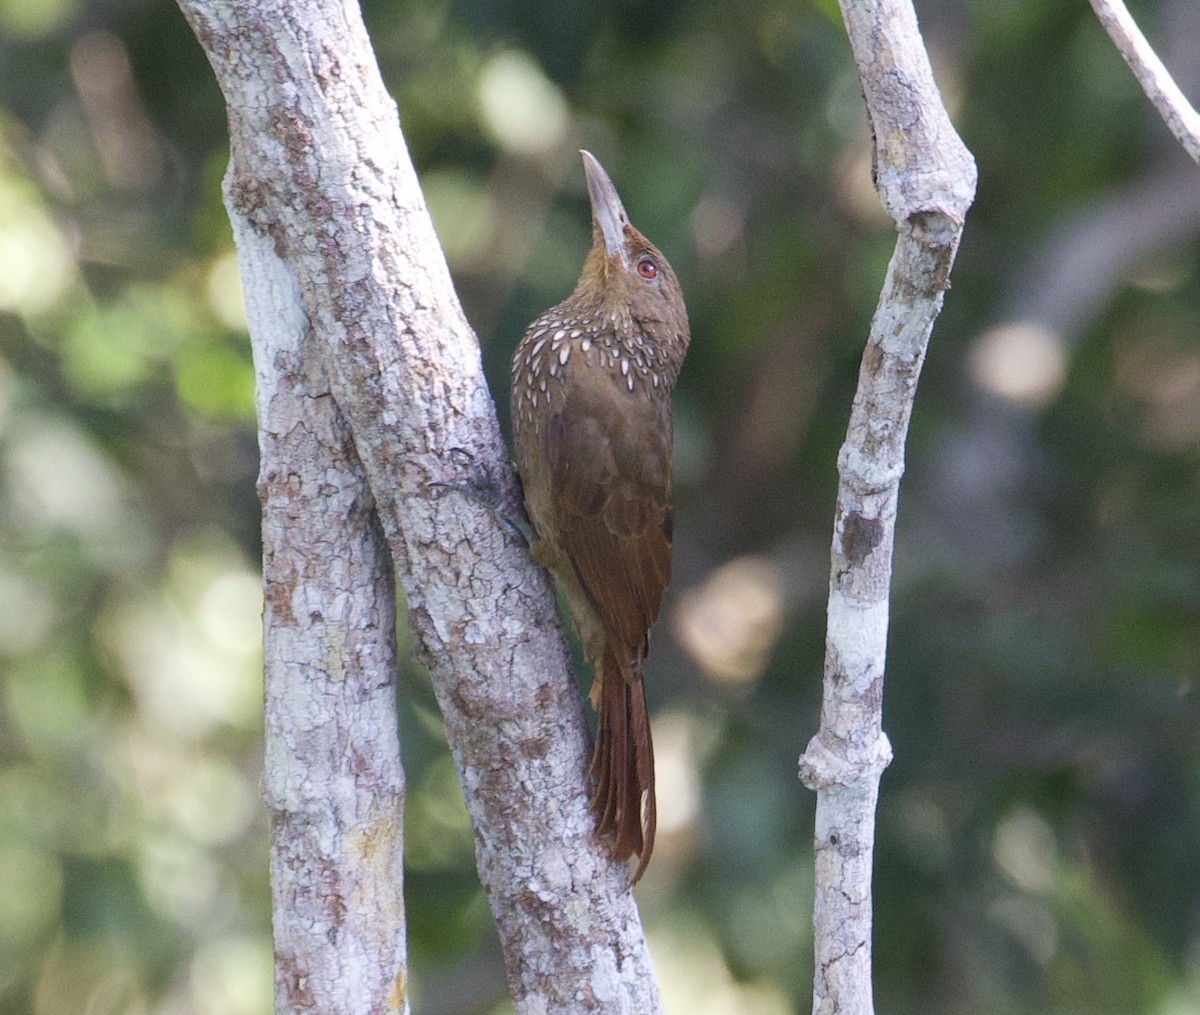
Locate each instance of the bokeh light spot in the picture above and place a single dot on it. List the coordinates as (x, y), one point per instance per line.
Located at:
(30, 892)
(729, 624)
(233, 976)
(38, 263)
(224, 291)
(521, 108)
(1025, 851)
(1021, 361)
(31, 19)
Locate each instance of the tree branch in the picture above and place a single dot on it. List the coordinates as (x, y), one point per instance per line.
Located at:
(320, 176)
(926, 181)
(332, 779)
(983, 475)
(1155, 79)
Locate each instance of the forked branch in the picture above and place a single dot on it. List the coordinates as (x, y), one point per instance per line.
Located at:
(367, 341)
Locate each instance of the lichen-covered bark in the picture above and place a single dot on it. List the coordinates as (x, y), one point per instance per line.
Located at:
(320, 177)
(332, 778)
(926, 181)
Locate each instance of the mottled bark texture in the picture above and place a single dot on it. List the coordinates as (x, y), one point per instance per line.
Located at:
(332, 778)
(926, 180)
(371, 390)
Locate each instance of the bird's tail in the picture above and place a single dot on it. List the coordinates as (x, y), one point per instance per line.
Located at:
(623, 764)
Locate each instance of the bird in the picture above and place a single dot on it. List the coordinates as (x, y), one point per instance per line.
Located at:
(592, 380)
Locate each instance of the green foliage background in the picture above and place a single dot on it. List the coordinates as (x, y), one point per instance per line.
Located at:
(1039, 831)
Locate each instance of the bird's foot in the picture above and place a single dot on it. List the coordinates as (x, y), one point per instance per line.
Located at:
(483, 487)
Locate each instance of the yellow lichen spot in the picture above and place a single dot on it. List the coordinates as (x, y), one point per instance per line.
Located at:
(397, 996)
(374, 849)
(372, 839)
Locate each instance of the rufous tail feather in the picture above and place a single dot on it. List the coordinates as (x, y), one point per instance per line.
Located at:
(623, 765)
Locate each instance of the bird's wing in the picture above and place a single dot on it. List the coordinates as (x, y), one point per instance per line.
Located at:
(611, 468)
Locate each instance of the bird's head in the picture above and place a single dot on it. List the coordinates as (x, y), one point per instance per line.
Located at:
(624, 273)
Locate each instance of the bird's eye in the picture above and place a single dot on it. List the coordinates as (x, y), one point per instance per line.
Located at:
(647, 267)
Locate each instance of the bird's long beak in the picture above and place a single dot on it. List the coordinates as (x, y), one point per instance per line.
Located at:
(608, 214)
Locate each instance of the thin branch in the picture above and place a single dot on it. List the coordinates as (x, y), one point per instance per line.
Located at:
(320, 175)
(926, 181)
(1155, 79)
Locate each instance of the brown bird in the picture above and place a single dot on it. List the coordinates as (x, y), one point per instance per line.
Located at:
(591, 412)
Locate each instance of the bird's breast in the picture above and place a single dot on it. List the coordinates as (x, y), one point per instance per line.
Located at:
(554, 364)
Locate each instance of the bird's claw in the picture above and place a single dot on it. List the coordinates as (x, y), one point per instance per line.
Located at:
(483, 488)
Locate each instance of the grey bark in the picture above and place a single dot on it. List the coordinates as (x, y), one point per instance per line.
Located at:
(1152, 75)
(332, 778)
(372, 386)
(926, 180)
